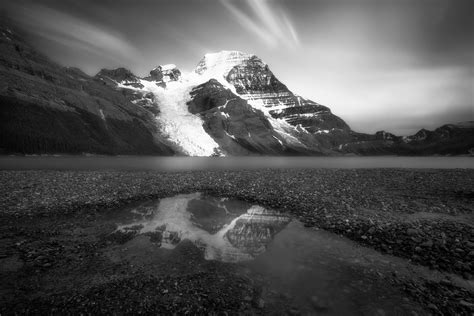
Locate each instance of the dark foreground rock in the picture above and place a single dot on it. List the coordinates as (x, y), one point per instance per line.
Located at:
(50, 262)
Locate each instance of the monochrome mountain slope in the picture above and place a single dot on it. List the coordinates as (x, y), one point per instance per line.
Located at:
(231, 104)
(46, 108)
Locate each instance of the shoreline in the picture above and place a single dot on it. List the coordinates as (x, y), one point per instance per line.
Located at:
(424, 216)
(183, 164)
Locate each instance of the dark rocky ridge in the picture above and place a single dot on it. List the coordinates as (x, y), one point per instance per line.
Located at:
(449, 139)
(113, 77)
(121, 75)
(46, 108)
(130, 84)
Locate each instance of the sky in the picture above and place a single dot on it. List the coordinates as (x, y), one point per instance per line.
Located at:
(394, 65)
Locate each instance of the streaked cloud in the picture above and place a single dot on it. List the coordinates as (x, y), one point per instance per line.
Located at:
(73, 32)
(267, 20)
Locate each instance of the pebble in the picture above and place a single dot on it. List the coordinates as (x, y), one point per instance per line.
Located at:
(428, 243)
(466, 304)
(319, 304)
(412, 231)
(432, 306)
(294, 311)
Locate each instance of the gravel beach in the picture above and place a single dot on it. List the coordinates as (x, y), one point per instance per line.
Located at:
(424, 216)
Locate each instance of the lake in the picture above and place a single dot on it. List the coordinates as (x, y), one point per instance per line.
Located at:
(205, 163)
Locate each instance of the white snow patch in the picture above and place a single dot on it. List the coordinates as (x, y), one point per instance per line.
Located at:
(306, 115)
(231, 136)
(102, 114)
(281, 143)
(168, 67)
(227, 102)
(298, 98)
(322, 131)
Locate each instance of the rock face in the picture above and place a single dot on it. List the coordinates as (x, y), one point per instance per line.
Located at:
(235, 125)
(254, 82)
(122, 75)
(46, 108)
(164, 73)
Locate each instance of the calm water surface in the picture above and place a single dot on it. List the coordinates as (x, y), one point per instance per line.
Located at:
(319, 272)
(195, 163)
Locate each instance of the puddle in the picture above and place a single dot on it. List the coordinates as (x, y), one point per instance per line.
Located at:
(324, 273)
(225, 230)
(316, 271)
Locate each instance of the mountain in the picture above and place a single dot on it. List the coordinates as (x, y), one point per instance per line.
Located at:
(253, 81)
(47, 108)
(449, 139)
(231, 104)
(223, 229)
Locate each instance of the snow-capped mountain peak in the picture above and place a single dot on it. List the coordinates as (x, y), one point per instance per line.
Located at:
(222, 83)
(218, 65)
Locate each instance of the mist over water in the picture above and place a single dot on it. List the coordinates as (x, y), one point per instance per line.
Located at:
(228, 163)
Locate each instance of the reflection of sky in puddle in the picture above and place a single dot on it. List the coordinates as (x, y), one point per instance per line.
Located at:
(226, 230)
(318, 271)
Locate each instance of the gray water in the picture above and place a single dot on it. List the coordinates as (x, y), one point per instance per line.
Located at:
(303, 269)
(197, 163)
(224, 229)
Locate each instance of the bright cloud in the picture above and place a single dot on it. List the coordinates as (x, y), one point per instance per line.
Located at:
(75, 33)
(267, 21)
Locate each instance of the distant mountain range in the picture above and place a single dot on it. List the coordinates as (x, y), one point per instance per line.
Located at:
(231, 104)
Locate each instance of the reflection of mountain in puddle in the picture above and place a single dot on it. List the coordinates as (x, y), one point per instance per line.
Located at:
(226, 230)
